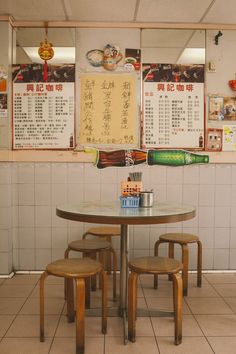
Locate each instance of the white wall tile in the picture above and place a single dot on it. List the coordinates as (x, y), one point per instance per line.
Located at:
(232, 258)
(59, 237)
(157, 175)
(141, 237)
(5, 193)
(75, 193)
(207, 259)
(25, 173)
(160, 193)
(222, 216)
(43, 258)
(221, 259)
(174, 175)
(26, 216)
(92, 192)
(4, 240)
(43, 216)
(42, 173)
(92, 174)
(223, 174)
(207, 174)
(59, 173)
(26, 194)
(4, 263)
(190, 194)
(222, 237)
(206, 195)
(223, 195)
(206, 236)
(75, 173)
(26, 237)
(174, 193)
(233, 237)
(5, 173)
(43, 194)
(191, 174)
(205, 216)
(109, 192)
(108, 175)
(233, 173)
(59, 193)
(27, 259)
(43, 237)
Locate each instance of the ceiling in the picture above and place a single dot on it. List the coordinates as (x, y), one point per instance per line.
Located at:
(192, 11)
(182, 11)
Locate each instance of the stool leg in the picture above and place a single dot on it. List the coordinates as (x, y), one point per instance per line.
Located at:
(70, 300)
(199, 264)
(108, 256)
(84, 235)
(156, 247)
(41, 303)
(66, 256)
(104, 302)
(93, 255)
(80, 309)
(185, 257)
(101, 258)
(112, 251)
(178, 305)
(132, 305)
(87, 287)
(171, 253)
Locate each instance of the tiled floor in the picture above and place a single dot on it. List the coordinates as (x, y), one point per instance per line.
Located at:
(209, 320)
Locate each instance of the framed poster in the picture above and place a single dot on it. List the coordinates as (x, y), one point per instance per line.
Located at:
(222, 108)
(108, 109)
(214, 139)
(173, 106)
(43, 112)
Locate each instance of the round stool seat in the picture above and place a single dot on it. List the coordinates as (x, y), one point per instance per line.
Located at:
(181, 238)
(89, 245)
(74, 268)
(104, 231)
(157, 265)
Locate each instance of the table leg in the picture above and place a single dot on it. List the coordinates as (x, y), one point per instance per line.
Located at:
(124, 277)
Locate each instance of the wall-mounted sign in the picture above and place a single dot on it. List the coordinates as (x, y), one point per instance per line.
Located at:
(173, 106)
(229, 137)
(222, 108)
(43, 112)
(108, 109)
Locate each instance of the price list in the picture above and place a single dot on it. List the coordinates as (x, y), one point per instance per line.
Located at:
(43, 115)
(173, 115)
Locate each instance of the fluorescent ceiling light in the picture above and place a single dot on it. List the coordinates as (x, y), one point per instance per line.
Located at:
(61, 55)
(192, 56)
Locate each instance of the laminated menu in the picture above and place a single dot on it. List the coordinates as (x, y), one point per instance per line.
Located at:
(43, 112)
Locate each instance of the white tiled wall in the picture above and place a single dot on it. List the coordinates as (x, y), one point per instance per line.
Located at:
(31, 235)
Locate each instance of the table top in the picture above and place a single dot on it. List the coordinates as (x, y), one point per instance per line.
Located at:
(112, 213)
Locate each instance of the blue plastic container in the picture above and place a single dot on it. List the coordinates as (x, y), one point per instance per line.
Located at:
(129, 202)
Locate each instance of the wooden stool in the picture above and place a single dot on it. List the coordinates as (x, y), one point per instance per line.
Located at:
(79, 270)
(182, 239)
(90, 248)
(106, 232)
(155, 265)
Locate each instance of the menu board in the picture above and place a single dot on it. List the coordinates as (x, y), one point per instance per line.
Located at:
(173, 106)
(43, 112)
(108, 109)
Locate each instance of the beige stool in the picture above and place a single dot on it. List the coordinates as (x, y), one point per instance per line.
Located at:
(106, 232)
(79, 270)
(90, 248)
(183, 239)
(155, 265)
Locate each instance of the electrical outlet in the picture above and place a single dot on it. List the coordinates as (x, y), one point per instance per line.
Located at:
(211, 67)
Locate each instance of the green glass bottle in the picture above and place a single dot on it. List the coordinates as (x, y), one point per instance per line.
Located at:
(174, 157)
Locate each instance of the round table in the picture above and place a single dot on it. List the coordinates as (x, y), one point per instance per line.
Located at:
(112, 213)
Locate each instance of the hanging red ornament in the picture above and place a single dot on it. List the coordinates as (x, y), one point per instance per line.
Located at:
(46, 53)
